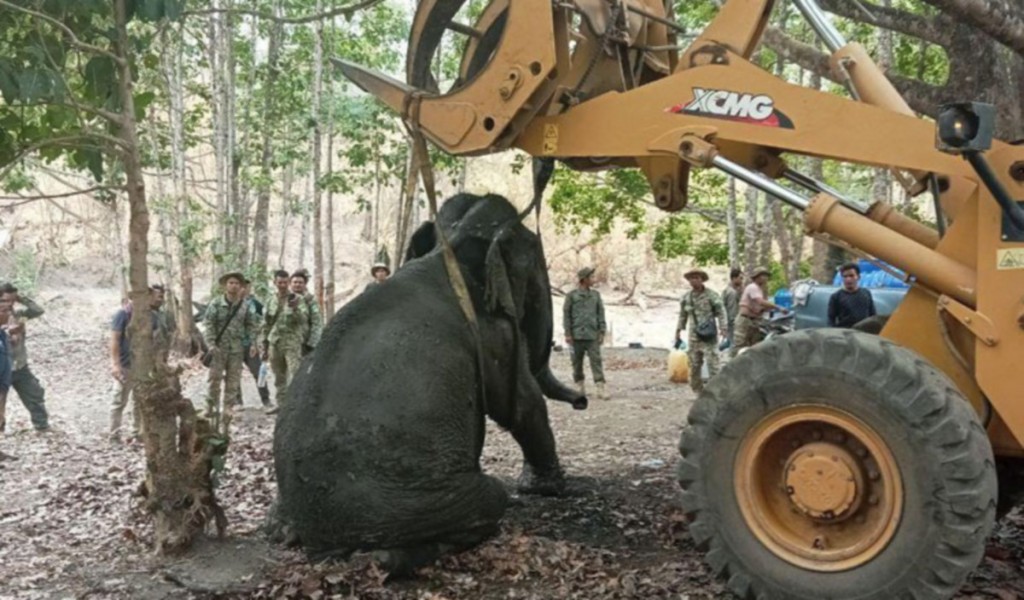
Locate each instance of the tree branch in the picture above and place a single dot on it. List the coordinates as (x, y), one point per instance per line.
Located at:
(922, 97)
(334, 12)
(77, 43)
(999, 19)
(42, 196)
(934, 29)
(33, 148)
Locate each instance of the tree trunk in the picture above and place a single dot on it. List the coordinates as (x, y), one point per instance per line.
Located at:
(750, 230)
(766, 232)
(178, 488)
(261, 235)
(286, 211)
(186, 333)
(329, 209)
(217, 114)
(232, 163)
(304, 234)
(730, 225)
(318, 230)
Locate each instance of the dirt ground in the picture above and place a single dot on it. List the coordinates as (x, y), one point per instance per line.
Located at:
(69, 526)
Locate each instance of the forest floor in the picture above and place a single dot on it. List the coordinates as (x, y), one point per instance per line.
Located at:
(70, 526)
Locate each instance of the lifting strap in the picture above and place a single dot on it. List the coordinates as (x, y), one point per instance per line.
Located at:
(423, 168)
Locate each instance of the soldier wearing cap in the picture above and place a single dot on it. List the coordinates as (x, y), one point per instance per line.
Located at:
(753, 305)
(584, 324)
(228, 321)
(283, 332)
(314, 325)
(703, 315)
(380, 272)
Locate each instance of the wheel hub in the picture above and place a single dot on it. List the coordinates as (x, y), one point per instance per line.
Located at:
(824, 481)
(818, 487)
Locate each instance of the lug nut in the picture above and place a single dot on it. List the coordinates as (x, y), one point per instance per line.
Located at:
(816, 435)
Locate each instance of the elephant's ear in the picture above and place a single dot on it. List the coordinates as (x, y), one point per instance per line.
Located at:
(422, 242)
(498, 295)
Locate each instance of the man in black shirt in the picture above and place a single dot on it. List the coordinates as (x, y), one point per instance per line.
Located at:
(852, 304)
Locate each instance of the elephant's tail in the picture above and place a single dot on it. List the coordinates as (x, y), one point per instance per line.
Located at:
(556, 390)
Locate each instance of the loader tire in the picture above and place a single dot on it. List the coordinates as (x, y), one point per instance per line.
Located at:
(833, 464)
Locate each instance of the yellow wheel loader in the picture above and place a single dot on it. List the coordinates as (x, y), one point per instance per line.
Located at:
(824, 464)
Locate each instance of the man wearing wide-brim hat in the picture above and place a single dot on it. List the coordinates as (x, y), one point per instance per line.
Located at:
(702, 314)
(584, 325)
(754, 304)
(229, 320)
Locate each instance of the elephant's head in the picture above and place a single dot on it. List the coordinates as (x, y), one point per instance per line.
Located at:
(508, 261)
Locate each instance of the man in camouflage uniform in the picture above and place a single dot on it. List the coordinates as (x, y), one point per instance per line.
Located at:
(731, 300)
(230, 318)
(250, 349)
(700, 307)
(32, 394)
(284, 330)
(584, 325)
(314, 320)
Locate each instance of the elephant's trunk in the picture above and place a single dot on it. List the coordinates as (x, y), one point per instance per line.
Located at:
(556, 390)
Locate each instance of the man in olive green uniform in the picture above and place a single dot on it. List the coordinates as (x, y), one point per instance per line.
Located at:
(229, 319)
(23, 381)
(702, 310)
(583, 321)
(380, 273)
(314, 320)
(284, 331)
(731, 300)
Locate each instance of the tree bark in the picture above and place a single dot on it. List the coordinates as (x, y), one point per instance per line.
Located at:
(750, 256)
(178, 488)
(286, 210)
(261, 235)
(318, 230)
(1002, 20)
(730, 225)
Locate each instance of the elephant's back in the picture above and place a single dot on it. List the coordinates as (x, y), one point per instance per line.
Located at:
(389, 402)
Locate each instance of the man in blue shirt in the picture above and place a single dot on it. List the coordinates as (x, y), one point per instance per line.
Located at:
(5, 366)
(121, 356)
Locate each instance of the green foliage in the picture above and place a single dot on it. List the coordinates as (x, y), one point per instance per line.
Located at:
(597, 201)
(59, 94)
(26, 270)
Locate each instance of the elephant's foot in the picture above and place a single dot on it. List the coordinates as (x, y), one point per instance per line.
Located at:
(549, 483)
(402, 563)
(277, 530)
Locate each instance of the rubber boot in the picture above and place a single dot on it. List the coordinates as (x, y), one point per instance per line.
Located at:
(600, 391)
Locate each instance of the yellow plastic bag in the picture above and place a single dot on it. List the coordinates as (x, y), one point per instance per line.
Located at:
(678, 366)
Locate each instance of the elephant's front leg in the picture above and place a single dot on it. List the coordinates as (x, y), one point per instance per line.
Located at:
(542, 473)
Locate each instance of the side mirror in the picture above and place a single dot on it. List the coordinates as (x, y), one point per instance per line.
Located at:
(965, 127)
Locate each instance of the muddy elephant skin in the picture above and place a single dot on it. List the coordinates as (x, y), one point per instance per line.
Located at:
(379, 448)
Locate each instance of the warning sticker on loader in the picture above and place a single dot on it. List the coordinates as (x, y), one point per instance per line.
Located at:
(1010, 258)
(550, 139)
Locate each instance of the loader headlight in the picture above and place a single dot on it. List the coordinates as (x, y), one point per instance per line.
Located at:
(965, 127)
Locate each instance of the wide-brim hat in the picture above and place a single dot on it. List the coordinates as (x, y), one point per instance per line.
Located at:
(760, 271)
(233, 275)
(379, 265)
(696, 274)
(584, 273)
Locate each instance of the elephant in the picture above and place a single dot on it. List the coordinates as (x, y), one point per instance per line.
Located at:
(378, 448)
